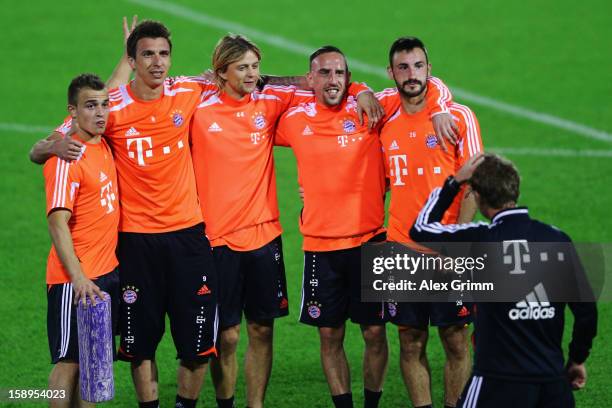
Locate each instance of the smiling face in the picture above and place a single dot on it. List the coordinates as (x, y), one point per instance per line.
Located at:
(329, 78)
(91, 111)
(152, 61)
(410, 70)
(240, 77)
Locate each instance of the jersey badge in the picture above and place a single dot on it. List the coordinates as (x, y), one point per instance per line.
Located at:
(394, 145)
(314, 309)
(348, 126)
(392, 307)
(130, 294)
(177, 118)
(259, 120)
(431, 141)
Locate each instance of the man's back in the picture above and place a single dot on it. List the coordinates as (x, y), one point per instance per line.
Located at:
(517, 341)
(522, 340)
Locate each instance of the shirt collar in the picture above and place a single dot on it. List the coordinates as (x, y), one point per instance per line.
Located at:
(517, 211)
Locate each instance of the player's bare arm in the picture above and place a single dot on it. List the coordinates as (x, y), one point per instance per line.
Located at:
(368, 103)
(468, 208)
(445, 128)
(468, 203)
(62, 241)
(56, 144)
(122, 72)
(297, 81)
(466, 171)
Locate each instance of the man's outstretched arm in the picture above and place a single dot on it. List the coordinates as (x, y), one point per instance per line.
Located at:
(56, 144)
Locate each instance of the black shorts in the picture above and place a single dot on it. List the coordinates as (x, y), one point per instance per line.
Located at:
(62, 317)
(331, 290)
(253, 282)
(423, 314)
(173, 273)
(484, 392)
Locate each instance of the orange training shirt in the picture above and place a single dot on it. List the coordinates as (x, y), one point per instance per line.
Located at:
(415, 164)
(231, 144)
(341, 171)
(87, 187)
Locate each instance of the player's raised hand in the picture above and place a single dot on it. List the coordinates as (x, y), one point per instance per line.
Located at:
(576, 374)
(368, 104)
(84, 288)
(127, 30)
(466, 171)
(446, 129)
(67, 148)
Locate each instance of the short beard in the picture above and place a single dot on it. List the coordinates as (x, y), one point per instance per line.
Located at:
(406, 94)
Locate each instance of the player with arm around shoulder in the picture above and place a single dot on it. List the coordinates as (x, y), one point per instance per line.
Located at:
(166, 262)
(416, 162)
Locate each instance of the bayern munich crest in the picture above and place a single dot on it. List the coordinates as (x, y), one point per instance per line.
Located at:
(177, 119)
(130, 294)
(392, 309)
(259, 121)
(348, 126)
(431, 141)
(314, 309)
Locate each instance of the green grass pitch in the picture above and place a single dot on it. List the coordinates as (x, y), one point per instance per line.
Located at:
(544, 56)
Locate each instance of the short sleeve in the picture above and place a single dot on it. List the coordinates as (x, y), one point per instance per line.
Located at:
(62, 181)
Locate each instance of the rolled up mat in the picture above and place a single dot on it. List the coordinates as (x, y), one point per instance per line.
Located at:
(96, 350)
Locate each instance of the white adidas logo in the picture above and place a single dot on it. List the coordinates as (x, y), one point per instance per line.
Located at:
(535, 306)
(214, 127)
(103, 177)
(132, 132)
(394, 145)
(307, 131)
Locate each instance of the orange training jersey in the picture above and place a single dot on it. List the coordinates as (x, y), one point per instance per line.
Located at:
(341, 170)
(150, 140)
(88, 188)
(231, 145)
(415, 163)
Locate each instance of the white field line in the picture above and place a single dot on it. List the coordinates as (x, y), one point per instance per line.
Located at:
(530, 151)
(357, 65)
(511, 151)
